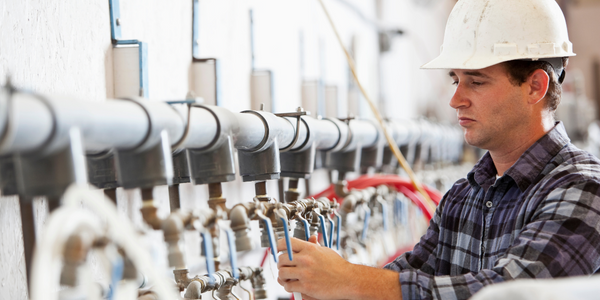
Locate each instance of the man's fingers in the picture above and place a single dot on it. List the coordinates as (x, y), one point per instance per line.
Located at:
(286, 273)
(292, 286)
(314, 239)
(284, 261)
(297, 245)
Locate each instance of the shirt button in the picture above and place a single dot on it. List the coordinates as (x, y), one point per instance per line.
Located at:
(489, 204)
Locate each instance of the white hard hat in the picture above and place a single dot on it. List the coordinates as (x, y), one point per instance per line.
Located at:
(482, 33)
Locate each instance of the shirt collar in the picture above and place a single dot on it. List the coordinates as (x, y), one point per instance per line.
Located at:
(528, 166)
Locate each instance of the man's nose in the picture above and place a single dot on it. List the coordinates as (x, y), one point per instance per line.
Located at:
(459, 99)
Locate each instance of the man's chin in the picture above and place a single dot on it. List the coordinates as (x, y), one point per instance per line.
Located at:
(475, 141)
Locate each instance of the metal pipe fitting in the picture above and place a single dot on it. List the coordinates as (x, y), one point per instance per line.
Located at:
(172, 228)
(258, 284)
(150, 216)
(240, 224)
(223, 282)
(74, 254)
(193, 291)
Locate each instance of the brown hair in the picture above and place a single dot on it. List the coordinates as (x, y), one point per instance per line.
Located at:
(520, 70)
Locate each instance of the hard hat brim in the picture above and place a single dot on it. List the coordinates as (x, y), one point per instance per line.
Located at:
(476, 62)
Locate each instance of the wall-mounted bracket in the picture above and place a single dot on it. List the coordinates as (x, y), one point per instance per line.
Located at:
(115, 20)
(196, 29)
(207, 80)
(115, 30)
(123, 62)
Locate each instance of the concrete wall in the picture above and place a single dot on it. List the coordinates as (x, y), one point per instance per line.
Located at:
(64, 47)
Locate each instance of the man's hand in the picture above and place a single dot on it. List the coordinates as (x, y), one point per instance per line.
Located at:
(315, 271)
(320, 273)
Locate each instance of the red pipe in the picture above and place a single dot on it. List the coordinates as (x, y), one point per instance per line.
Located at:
(402, 185)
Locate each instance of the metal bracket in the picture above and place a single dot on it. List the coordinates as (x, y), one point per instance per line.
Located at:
(347, 120)
(115, 20)
(298, 115)
(195, 28)
(143, 63)
(216, 68)
(196, 53)
(251, 16)
(115, 30)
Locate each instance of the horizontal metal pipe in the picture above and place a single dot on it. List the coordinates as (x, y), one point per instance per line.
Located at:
(27, 123)
(203, 127)
(364, 134)
(327, 134)
(250, 131)
(37, 123)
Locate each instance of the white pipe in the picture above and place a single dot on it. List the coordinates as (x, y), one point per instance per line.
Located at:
(20, 134)
(363, 133)
(36, 122)
(202, 128)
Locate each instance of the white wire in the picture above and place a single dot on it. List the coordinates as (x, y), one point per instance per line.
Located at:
(122, 232)
(47, 255)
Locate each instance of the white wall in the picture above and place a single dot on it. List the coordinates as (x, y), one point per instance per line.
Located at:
(63, 46)
(583, 21)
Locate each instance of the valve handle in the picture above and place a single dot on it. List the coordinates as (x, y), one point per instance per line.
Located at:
(402, 212)
(232, 253)
(269, 229)
(306, 228)
(208, 252)
(116, 276)
(331, 224)
(396, 211)
(323, 230)
(288, 242)
(384, 211)
(366, 225)
(339, 226)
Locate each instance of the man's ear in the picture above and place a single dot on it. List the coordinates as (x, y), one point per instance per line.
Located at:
(537, 83)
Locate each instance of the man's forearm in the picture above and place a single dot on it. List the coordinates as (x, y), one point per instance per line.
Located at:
(371, 283)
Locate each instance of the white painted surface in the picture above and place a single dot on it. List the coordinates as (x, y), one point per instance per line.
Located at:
(582, 21)
(64, 47)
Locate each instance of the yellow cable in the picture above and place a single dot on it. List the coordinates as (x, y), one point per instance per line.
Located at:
(389, 139)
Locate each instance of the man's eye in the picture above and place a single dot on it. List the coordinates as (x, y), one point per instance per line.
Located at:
(476, 83)
(455, 83)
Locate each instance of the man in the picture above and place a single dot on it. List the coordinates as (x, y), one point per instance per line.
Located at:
(530, 208)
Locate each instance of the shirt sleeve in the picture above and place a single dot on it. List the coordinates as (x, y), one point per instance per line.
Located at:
(561, 239)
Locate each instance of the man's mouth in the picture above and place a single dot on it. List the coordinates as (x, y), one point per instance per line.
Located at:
(464, 121)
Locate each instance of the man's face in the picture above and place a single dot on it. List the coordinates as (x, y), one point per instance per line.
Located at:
(490, 108)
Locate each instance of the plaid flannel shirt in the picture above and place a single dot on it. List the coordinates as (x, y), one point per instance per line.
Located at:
(541, 219)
